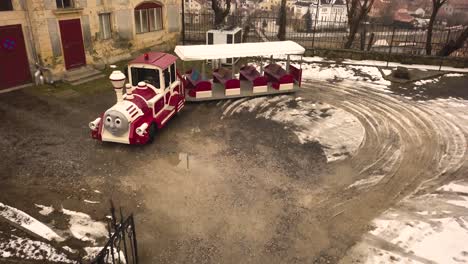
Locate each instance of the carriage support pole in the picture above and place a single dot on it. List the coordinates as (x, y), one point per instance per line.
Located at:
(203, 70)
(261, 65)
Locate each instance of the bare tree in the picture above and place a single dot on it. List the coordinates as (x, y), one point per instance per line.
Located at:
(453, 45)
(436, 5)
(220, 12)
(282, 21)
(357, 12)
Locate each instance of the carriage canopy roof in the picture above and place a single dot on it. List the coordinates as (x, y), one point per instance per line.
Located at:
(222, 51)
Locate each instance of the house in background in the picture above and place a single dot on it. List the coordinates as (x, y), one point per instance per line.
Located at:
(328, 13)
(67, 35)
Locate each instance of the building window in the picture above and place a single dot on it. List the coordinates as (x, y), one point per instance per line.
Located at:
(105, 25)
(5, 5)
(65, 3)
(148, 17)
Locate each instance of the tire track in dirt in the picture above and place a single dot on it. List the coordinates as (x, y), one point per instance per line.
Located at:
(431, 146)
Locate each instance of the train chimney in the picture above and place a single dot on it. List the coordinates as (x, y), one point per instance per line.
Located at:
(117, 79)
(129, 91)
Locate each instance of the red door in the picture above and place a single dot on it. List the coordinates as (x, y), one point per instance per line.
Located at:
(72, 43)
(14, 66)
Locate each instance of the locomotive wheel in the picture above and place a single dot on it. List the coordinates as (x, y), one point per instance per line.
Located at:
(152, 132)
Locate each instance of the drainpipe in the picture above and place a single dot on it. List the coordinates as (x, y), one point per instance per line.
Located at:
(31, 35)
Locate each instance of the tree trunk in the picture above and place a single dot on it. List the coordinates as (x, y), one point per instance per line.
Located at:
(220, 13)
(454, 45)
(282, 21)
(352, 34)
(219, 19)
(429, 31)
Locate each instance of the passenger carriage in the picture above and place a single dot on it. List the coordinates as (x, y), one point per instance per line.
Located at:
(224, 84)
(156, 91)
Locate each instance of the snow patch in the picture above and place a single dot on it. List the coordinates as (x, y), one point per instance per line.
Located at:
(28, 222)
(340, 72)
(339, 132)
(90, 201)
(92, 252)
(372, 180)
(84, 228)
(462, 202)
(423, 82)
(454, 75)
(23, 248)
(454, 187)
(45, 210)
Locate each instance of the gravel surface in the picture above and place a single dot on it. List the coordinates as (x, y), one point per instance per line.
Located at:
(238, 188)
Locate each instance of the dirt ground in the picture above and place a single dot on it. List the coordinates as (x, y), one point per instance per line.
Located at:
(235, 189)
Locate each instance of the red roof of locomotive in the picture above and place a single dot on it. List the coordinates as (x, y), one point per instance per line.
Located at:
(158, 59)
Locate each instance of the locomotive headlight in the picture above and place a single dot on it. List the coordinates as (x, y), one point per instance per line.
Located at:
(141, 129)
(95, 124)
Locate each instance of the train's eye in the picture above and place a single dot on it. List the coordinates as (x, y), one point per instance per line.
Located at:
(117, 121)
(108, 119)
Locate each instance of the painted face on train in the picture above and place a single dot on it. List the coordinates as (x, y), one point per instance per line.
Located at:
(115, 122)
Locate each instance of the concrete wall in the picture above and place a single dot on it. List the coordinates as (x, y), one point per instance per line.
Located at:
(44, 34)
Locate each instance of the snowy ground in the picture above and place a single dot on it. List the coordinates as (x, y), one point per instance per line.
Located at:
(339, 132)
(374, 63)
(431, 228)
(351, 111)
(80, 226)
(422, 229)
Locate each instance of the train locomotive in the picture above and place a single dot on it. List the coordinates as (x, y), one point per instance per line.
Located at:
(154, 94)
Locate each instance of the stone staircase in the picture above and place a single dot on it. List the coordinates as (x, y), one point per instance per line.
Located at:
(82, 75)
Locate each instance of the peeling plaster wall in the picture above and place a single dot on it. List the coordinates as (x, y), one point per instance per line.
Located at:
(88, 45)
(123, 44)
(124, 25)
(54, 37)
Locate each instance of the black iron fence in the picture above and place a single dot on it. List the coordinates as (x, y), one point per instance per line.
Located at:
(121, 248)
(329, 34)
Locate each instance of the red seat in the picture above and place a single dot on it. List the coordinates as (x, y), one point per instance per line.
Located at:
(224, 76)
(275, 72)
(249, 73)
(193, 77)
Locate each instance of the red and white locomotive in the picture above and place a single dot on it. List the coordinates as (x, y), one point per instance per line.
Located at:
(156, 91)
(153, 96)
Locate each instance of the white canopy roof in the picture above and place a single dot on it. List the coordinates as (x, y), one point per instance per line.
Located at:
(221, 51)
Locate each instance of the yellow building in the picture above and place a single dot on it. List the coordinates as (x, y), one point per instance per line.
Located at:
(65, 35)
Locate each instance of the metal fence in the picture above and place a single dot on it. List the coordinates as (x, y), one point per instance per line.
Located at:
(329, 34)
(121, 248)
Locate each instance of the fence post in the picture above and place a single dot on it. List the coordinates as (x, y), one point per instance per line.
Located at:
(315, 26)
(391, 45)
(183, 22)
(446, 43)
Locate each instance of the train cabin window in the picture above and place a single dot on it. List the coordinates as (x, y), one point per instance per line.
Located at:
(150, 76)
(167, 78)
(173, 73)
